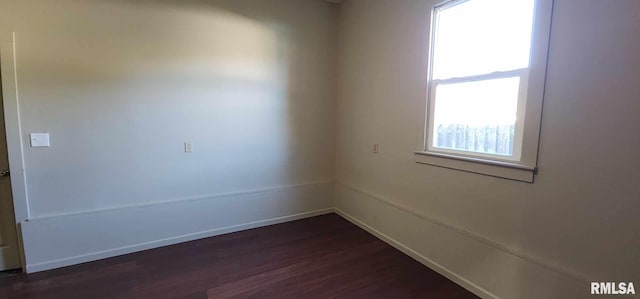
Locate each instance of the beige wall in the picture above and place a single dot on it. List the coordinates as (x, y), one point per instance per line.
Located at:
(120, 85)
(581, 214)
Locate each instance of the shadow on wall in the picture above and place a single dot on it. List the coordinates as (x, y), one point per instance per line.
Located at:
(121, 85)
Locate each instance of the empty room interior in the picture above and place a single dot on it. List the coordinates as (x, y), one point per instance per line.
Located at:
(320, 149)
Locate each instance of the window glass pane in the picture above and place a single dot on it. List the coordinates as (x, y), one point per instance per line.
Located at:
(476, 116)
(482, 36)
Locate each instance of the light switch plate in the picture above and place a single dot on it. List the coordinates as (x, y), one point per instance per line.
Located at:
(39, 139)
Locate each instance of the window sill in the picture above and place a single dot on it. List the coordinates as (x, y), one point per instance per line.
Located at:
(512, 171)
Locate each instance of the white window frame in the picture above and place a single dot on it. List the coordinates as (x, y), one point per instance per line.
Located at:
(522, 165)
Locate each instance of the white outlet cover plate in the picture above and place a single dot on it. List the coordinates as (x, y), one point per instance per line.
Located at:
(39, 139)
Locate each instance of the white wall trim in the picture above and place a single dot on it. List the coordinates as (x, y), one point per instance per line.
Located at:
(579, 277)
(64, 240)
(169, 241)
(11, 106)
(419, 257)
(185, 199)
(484, 269)
(511, 171)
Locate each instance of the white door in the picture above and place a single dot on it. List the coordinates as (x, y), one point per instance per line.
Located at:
(9, 258)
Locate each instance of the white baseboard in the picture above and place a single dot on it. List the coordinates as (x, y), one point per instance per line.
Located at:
(486, 270)
(64, 240)
(417, 256)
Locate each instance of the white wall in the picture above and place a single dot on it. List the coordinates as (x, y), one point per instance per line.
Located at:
(577, 222)
(120, 85)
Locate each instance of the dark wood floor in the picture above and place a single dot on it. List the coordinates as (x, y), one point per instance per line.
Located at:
(320, 257)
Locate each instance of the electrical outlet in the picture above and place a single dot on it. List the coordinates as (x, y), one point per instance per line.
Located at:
(188, 148)
(375, 149)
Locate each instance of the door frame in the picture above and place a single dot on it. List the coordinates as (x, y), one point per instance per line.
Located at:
(11, 105)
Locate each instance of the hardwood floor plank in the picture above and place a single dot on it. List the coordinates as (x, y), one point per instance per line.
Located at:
(319, 257)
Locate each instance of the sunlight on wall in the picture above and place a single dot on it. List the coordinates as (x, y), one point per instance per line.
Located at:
(122, 85)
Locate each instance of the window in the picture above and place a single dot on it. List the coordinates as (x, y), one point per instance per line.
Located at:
(486, 79)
